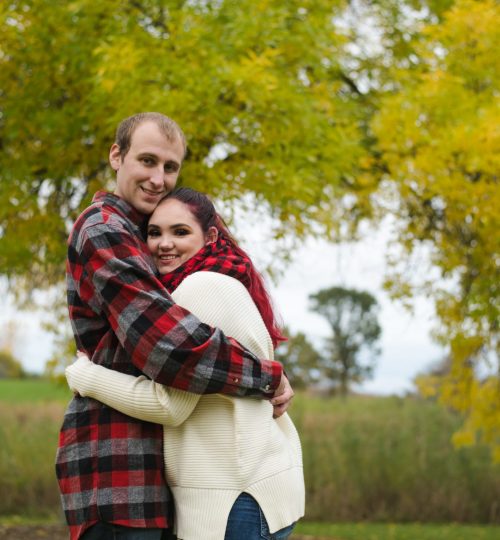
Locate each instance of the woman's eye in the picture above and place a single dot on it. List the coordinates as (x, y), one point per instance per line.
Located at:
(181, 232)
(153, 233)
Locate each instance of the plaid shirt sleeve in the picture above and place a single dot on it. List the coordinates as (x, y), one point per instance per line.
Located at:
(166, 342)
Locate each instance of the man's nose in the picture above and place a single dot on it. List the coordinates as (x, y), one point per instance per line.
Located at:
(158, 178)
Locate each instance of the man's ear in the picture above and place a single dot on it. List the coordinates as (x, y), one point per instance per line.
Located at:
(115, 157)
(211, 235)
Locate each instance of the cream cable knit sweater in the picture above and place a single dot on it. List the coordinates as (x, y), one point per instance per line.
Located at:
(215, 447)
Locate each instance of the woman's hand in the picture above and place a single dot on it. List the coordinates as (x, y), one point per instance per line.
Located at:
(82, 361)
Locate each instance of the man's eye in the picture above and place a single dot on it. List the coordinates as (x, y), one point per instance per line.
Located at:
(171, 167)
(148, 161)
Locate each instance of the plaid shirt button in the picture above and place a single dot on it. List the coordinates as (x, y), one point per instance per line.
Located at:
(236, 380)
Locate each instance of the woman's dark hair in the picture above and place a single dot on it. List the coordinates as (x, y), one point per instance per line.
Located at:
(205, 214)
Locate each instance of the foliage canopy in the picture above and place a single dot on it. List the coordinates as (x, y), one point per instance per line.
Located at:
(255, 85)
(439, 138)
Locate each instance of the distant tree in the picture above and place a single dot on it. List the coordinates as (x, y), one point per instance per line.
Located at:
(10, 367)
(301, 360)
(352, 316)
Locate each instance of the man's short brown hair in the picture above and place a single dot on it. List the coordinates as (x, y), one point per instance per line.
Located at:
(167, 126)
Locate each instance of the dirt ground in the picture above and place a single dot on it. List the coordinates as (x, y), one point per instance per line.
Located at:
(58, 532)
(35, 532)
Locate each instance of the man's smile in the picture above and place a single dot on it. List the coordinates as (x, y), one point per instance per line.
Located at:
(152, 193)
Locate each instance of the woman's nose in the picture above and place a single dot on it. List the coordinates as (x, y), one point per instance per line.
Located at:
(166, 243)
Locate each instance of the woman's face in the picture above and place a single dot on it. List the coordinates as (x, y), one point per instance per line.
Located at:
(174, 235)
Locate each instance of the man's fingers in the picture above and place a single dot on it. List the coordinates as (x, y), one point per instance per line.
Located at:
(280, 410)
(282, 397)
(283, 393)
(286, 396)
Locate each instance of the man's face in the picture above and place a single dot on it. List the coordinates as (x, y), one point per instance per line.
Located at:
(150, 168)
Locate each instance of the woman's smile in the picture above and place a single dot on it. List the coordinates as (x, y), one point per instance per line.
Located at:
(174, 235)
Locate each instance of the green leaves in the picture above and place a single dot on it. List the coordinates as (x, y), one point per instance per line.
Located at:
(255, 84)
(439, 140)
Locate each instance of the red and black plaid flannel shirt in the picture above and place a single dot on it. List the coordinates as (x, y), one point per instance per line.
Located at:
(109, 465)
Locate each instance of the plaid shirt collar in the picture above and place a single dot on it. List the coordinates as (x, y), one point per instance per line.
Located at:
(118, 204)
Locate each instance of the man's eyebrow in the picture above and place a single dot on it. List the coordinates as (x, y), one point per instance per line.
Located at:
(173, 161)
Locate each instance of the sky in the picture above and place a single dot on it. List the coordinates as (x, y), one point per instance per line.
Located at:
(407, 348)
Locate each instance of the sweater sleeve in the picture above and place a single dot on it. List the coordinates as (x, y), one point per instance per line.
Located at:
(222, 301)
(216, 299)
(138, 397)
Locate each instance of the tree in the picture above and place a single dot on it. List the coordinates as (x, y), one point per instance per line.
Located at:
(255, 85)
(300, 359)
(10, 367)
(352, 316)
(439, 144)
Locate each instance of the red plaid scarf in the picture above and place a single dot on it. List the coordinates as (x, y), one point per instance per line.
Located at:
(218, 257)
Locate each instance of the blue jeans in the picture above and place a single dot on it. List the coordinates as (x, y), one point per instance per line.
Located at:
(110, 531)
(247, 522)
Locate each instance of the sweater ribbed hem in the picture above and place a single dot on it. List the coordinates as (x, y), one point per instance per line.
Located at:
(203, 513)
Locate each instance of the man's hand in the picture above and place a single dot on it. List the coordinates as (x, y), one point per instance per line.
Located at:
(282, 397)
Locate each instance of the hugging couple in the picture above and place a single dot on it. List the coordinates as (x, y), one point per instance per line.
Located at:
(175, 383)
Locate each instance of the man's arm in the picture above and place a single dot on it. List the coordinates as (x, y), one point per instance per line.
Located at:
(165, 341)
(224, 302)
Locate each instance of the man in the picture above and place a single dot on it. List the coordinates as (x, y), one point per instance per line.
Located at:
(109, 466)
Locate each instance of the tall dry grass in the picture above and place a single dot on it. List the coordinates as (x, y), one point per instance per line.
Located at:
(28, 441)
(375, 459)
(391, 459)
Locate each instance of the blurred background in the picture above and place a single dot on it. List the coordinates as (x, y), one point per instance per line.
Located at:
(353, 146)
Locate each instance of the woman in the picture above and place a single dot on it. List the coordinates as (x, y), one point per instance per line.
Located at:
(234, 471)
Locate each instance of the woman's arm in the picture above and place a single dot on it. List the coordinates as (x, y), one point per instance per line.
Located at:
(216, 299)
(138, 397)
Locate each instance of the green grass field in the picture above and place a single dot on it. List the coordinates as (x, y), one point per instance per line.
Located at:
(32, 391)
(411, 531)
